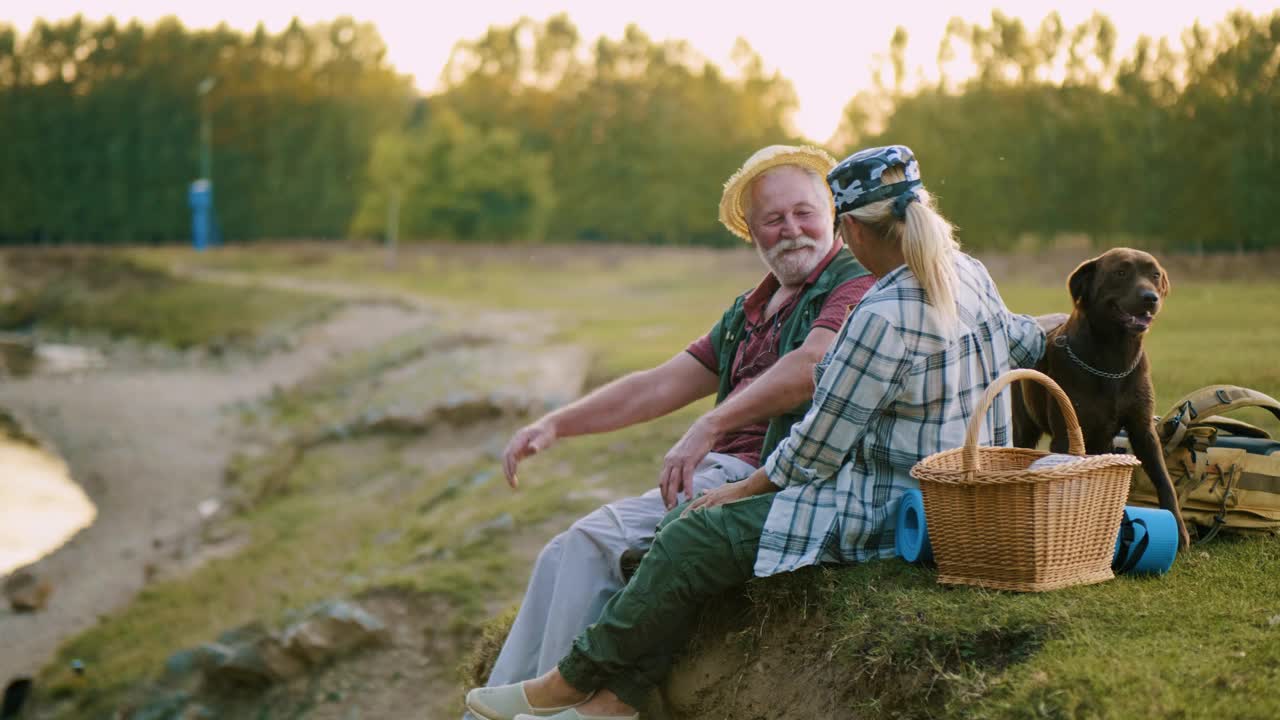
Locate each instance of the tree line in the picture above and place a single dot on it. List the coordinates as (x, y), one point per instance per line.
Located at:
(1057, 132)
(101, 125)
(538, 135)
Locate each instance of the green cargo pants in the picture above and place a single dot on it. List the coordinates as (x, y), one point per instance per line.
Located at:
(630, 649)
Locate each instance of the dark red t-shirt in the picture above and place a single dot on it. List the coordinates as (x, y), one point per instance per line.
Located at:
(759, 348)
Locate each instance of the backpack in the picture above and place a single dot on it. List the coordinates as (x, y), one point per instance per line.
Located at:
(1226, 472)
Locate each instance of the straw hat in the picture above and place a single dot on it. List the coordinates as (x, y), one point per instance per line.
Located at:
(732, 214)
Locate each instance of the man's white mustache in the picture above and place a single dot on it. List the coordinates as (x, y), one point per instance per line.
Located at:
(793, 244)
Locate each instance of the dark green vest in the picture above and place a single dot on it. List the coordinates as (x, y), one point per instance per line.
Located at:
(727, 334)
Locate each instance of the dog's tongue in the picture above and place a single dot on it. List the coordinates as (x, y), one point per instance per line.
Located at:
(1140, 321)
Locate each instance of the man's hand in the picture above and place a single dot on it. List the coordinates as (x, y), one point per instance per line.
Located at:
(757, 484)
(682, 460)
(529, 440)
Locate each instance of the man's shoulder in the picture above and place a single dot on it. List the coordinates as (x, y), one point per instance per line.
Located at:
(846, 264)
(840, 302)
(842, 269)
(858, 284)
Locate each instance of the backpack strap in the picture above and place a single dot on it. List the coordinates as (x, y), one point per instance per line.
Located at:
(1207, 401)
(1130, 553)
(1238, 428)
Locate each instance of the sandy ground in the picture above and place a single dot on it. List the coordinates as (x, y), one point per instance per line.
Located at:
(148, 446)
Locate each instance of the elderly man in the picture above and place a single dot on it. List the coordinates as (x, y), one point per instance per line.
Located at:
(758, 360)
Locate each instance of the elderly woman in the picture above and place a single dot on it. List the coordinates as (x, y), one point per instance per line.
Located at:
(899, 383)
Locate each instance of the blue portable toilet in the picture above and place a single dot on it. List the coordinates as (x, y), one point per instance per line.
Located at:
(200, 198)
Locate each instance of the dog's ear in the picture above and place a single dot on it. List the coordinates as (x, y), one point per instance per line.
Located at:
(1081, 280)
(1164, 285)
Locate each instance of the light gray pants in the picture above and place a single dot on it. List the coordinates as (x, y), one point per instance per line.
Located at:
(578, 571)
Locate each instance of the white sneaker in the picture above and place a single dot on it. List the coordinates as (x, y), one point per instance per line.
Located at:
(505, 702)
(572, 714)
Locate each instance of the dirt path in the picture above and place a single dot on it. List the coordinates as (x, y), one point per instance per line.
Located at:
(148, 446)
(514, 327)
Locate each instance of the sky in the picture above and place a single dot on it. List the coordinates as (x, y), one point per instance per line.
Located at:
(827, 49)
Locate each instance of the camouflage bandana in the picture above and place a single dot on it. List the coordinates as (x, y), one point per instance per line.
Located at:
(856, 180)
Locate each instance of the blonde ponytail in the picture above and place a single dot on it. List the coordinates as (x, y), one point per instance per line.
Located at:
(927, 240)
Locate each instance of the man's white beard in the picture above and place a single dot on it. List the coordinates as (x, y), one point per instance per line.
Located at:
(791, 268)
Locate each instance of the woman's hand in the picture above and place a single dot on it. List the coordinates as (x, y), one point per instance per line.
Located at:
(757, 484)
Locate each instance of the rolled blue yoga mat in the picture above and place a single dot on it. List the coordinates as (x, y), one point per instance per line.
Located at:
(1154, 545)
(1151, 550)
(911, 538)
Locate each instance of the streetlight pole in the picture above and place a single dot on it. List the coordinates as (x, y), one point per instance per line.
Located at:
(206, 128)
(200, 194)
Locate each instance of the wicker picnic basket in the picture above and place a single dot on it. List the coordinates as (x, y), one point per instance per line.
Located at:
(996, 523)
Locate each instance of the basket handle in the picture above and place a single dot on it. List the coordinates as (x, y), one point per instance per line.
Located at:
(1075, 438)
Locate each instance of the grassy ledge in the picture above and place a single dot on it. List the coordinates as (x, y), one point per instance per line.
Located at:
(110, 293)
(409, 511)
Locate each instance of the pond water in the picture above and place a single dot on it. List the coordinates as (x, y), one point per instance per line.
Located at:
(41, 507)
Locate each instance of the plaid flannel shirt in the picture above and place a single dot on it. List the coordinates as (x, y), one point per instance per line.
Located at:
(892, 390)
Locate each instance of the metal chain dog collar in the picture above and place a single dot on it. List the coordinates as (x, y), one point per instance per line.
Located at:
(1061, 341)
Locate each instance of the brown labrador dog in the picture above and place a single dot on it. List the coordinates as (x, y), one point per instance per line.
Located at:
(1097, 358)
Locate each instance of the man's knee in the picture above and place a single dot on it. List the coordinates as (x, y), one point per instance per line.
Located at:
(571, 547)
(552, 551)
(596, 532)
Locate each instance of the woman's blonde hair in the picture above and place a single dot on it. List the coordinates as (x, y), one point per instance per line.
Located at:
(927, 240)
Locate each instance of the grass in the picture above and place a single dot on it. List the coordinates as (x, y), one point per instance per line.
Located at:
(637, 307)
(1202, 641)
(891, 642)
(633, 309)
(325, 537)
(355, 516)
(1196, 643)
(112, 294)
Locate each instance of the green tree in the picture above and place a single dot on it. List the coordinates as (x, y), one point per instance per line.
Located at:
(102, 125)
(1057, 132)
(454, 180)
(639, 134)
